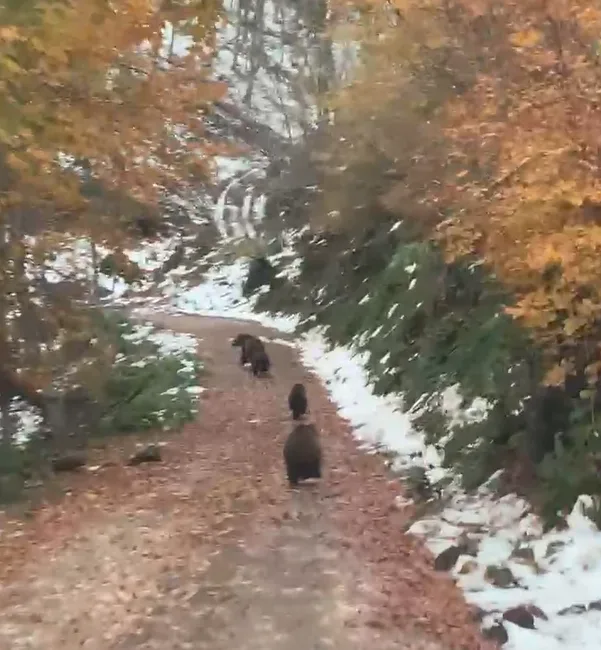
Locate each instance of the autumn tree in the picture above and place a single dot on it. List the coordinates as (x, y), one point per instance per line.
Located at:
(525, 136)
(102, 115)
(487, 111)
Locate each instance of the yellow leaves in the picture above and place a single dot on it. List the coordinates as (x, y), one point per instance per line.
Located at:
(5, 137)
(437, 39)
(592, 371)
(95, 92)
(573, 324)
(589, 17)
(215, 91)
(532, 315)
(8, 66)
(556, 375)
(9, 34)
(17, 163)
(514, 152)
(547, 254)
(39, 155)
(526, 38)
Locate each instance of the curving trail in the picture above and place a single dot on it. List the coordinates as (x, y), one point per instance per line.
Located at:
(210, 550)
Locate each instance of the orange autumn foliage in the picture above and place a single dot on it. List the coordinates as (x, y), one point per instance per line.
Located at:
(96, 82)
(510, 165)
(102, 107)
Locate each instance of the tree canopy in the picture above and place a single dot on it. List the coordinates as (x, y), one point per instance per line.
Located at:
(488, 112)
(102, 114)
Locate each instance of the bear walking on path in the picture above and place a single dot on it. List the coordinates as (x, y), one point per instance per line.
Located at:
(297, 401)
(259, 361)
(302, 454)
(252, 351)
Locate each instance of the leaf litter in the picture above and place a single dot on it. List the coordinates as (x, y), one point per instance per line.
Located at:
(210, 549)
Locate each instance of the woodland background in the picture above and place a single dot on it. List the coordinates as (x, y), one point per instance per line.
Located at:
(443, 196)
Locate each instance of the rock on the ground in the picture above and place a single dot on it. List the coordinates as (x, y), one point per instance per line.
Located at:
(499, 576)
(69, 462)
(478, 613)
(446, 560)
(577, 608)
(417, 483)
(520, 616)
(149, 454)
(496, 632)
(468, 567)
(524, 553)
(537, 612)
(553, 547)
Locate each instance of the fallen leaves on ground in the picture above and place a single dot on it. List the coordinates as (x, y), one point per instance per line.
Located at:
(92, 568)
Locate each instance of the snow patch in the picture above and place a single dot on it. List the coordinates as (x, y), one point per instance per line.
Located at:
(27, 420)
(220, 295)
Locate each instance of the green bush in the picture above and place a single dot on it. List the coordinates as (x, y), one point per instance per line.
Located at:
(147, 395)
(146, 390)
(14, 472)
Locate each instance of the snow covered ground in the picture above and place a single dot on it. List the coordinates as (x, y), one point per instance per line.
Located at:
(556, 575)
(175, 345)
(182, 346)
(221, 295)
(74, 262)
(26, 420)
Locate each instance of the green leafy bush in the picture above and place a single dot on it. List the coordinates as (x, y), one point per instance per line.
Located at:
(146, 395)
(426, 326)
(145, 389)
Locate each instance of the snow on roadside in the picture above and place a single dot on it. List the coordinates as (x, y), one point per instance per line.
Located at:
(27, 420)
(565, 570)
(169, 344)
(558, 572)
(221, 295)
(178, 347)
(74, 262)
(378, 420)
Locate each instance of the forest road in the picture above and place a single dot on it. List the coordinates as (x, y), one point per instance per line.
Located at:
(211, 550)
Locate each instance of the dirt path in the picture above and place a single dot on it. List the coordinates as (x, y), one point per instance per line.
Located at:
(211, 550)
